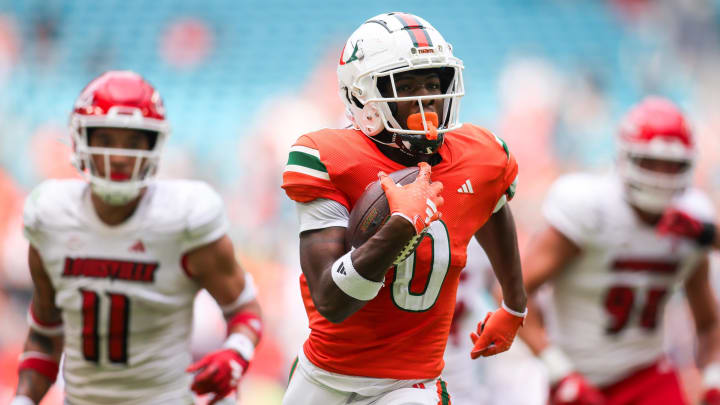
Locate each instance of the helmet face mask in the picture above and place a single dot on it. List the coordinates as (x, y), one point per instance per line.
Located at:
(376, 54)
(118, 100)
(656, 154)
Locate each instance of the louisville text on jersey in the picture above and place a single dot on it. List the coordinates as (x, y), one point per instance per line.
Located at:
(112, 269)
(648, 265)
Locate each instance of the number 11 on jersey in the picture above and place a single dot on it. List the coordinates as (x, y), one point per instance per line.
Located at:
(117, 326)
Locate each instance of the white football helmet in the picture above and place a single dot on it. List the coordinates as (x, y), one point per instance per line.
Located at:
(655, 129)
(382, 47)
(118, 99)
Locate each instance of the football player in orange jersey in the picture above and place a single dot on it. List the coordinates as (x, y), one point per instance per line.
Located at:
(116, 260)
(379, 325)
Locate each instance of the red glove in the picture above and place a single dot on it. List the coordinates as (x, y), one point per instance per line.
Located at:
(574, 389)
(418, 202)
(679, 223)
(218, 373)
(711, 397)
(495, 334)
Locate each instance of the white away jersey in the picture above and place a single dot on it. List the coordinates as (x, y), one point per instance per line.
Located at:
(126, 301)
(609, 302)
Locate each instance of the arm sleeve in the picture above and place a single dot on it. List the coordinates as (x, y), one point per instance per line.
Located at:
(568, 208)
(322, 213)
(206, 220)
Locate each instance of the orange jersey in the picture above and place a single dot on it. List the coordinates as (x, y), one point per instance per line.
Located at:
(402, 332)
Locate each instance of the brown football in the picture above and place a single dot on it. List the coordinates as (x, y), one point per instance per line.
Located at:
(371, 210)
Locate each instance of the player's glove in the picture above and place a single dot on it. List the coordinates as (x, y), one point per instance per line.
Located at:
(711, 397)
(496, 333)
(567, 387)
(574, 389)
(218, 373)
(418, 202)
(679, 223)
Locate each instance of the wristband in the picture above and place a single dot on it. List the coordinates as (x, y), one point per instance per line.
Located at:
(557, 363)
(711, 375)
(22, 400)
(41, 363)
(247, 318)
(511, 312)
(242, 344)
(351, 282)
(43, 328)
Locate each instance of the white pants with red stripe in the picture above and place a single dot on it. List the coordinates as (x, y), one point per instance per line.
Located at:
(311, 385)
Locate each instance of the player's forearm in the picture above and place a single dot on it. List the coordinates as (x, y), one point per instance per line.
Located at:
(510, 279)
(499, 240)
(370, 262)
(709, 345)
(374, 257)
(32, 383)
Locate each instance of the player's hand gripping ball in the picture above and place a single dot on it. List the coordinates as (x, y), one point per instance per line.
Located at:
(411, 195)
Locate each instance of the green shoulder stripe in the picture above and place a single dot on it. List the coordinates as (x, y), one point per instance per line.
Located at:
(298, 158)
(510, 192)
(504, 145)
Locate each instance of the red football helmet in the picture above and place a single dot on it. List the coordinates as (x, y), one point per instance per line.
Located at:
(118, 99)
(655, 129)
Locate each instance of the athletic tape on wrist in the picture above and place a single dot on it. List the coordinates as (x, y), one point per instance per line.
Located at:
(41, 363)
(557, 364)
(22, 400)
(248, 294)
(711, 375)
(351, 282)
(242, 344)
(249, 319)
(43, 328)
(512, 312)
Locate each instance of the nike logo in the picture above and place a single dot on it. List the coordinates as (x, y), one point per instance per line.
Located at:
(466, 188)
(352, 57)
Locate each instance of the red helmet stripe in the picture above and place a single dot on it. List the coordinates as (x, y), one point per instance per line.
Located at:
(342, 62)
(415, 29)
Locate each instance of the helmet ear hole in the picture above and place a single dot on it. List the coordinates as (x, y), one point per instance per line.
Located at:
(357, 102)
(352, 99)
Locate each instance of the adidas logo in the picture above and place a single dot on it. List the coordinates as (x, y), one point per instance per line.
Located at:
(466, 188)
(341, 269)
(138, 247)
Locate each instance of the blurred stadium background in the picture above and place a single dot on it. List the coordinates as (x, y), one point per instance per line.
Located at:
(242, 79)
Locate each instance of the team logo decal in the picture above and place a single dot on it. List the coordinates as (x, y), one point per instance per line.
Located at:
(354, 56)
